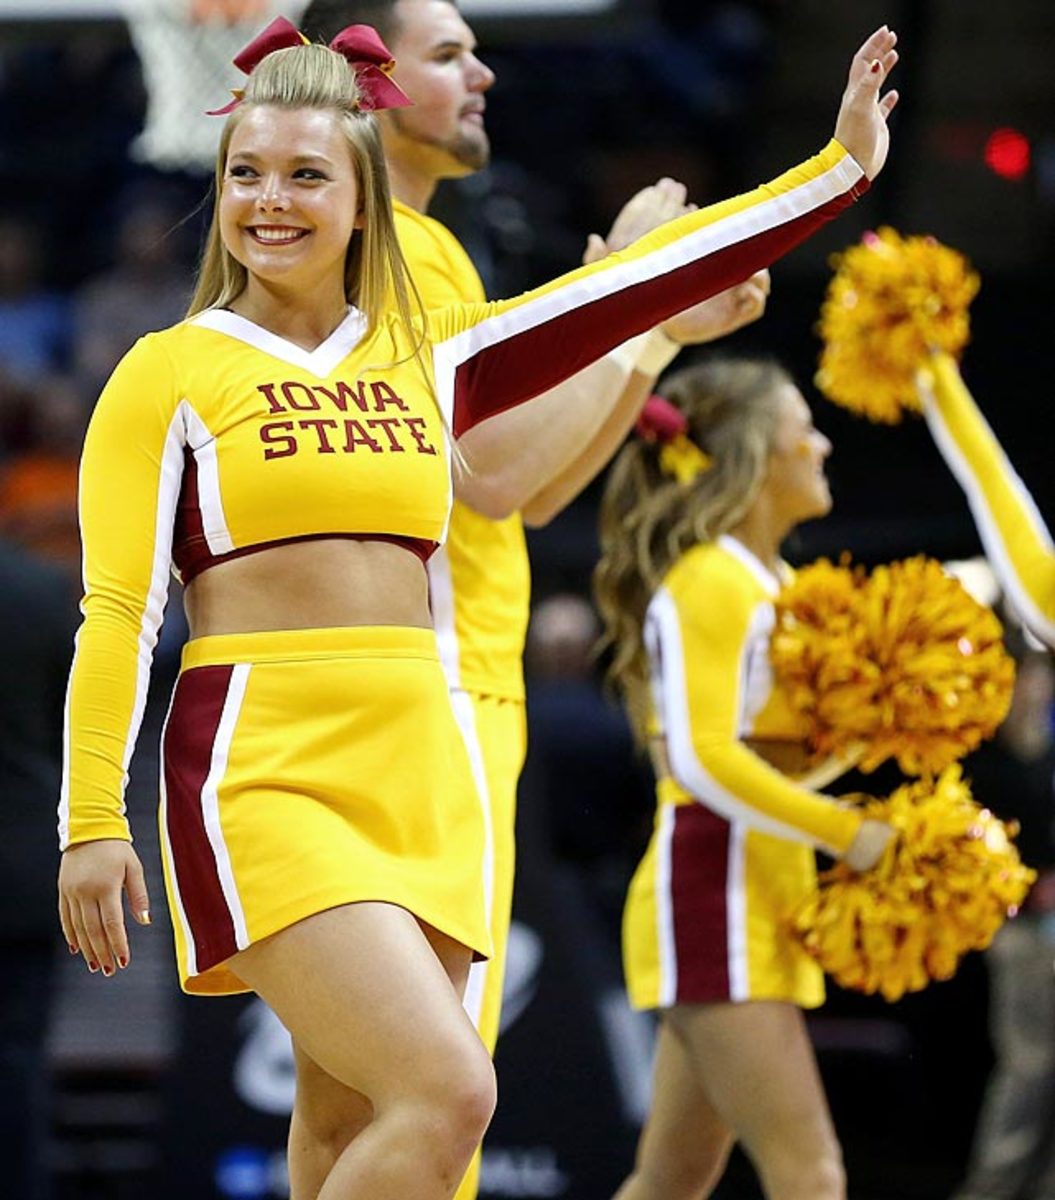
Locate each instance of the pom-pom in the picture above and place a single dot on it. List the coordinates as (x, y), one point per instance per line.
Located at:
(901, 664)
(944, 886)
(892, 301)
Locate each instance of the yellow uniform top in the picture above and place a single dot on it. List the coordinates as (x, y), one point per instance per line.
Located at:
(707, 632)
(216, 437)
(480, 580)
(1016, 539)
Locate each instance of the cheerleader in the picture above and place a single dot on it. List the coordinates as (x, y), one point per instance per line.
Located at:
(692, 520)
(288, 449)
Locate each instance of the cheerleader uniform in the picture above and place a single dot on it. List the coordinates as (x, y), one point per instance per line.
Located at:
(732, 850)
(306, 769)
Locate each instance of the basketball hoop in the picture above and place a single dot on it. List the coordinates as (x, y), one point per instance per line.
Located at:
(185, 48)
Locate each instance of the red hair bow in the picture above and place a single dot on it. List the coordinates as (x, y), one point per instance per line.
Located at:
(360, 45)
(660, 421)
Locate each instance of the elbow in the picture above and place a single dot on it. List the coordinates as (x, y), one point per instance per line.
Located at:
(489, 496)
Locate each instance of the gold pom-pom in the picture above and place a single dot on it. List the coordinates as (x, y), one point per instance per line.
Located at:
(891, 302)
(903, 663)
(944, 886)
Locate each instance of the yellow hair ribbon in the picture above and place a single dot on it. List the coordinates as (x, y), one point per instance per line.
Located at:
(683, 460)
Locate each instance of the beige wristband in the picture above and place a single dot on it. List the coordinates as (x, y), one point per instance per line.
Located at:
(656, 354)
(627, 354)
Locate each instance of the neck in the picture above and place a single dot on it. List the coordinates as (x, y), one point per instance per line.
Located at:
(411, 185)
(762, 532)
(302, 317)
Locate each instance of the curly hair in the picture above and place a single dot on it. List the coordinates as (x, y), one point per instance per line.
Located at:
(648, 520)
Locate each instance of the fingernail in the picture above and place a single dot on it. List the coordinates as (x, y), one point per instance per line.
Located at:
(93, 967)
(71, 947)
(122, 961)
(144, 917)
(108, 971)
(876, 67)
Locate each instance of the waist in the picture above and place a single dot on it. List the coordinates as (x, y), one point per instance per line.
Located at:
(318, 584)
(306, 645)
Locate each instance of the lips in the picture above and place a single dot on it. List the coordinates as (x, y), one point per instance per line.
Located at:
(275, 235)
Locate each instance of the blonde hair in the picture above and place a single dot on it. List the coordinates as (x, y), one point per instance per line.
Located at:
(649, 520)
(316, 77)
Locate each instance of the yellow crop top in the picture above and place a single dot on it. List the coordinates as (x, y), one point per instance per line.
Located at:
(480, 579)
(707, 633)
(1016, 539)
(253, 440)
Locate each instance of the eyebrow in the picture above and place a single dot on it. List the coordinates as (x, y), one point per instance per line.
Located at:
(296, 160)
(453, 44)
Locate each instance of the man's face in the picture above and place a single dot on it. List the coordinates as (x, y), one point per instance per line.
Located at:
(436, 65)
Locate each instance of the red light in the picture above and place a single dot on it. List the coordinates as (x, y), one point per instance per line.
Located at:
(1007, 153)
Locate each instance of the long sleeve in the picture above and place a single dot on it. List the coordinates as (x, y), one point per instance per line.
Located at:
(490, 357)
(700, 632)
(131, 471)
(1016, 540)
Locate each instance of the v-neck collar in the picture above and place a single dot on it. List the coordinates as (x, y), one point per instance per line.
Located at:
(754, 564)
(320, 362)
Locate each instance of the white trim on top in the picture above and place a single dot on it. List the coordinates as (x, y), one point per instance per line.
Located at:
(320, 362)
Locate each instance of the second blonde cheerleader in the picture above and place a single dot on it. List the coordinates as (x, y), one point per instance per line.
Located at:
(693, 518)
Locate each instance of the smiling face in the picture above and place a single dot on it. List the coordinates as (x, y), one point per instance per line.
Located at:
(796, 483)
(290, 200)
(436, 65)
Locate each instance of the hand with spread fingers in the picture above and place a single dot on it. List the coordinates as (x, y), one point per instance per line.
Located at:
(646, 210)
(861, 126)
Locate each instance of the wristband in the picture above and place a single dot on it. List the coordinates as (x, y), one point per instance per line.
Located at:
(626, 355)
(656, 354)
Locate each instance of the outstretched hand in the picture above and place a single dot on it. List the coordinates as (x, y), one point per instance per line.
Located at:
(861, 126)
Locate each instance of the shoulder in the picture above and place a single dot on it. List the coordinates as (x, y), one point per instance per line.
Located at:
(711, 577)
(438, 263)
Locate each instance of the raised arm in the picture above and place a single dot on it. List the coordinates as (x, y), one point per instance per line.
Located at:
(1017, 542)
(492, 357)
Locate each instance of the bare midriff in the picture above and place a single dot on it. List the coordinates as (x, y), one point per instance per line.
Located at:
(320, 584)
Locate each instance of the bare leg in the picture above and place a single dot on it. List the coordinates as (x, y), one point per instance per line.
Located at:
(327, 1115)
(685, 1143)
(367, 995)
(755, 1062)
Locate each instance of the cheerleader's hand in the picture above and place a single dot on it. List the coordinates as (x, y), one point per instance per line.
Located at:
(868, 845)
(722, 314)
(861, 126)
(646, 210)
(91, 879)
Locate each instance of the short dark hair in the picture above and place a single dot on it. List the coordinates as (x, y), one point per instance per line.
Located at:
(324, 19)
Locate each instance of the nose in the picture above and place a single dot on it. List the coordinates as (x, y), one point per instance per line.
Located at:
(272, 195)
(480, 77)
(824, 445)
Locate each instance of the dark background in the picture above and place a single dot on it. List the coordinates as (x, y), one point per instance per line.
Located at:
(718, 94)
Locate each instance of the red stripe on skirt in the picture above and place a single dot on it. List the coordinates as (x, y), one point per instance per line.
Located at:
(699, 871)
(486, 384)
(189, 737)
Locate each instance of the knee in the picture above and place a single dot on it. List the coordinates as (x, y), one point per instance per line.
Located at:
(463, 1105)
(329, 1121)
(819, 1175)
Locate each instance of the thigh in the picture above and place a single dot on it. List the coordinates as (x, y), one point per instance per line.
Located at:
(366, 997)
(757, 1066)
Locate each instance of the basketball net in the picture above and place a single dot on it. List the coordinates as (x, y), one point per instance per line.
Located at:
(185, 48)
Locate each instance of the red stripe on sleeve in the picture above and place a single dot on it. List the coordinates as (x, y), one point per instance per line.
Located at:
(518, 368)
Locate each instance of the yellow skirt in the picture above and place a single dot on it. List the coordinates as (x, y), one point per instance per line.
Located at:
(306, 769)
(706, 917)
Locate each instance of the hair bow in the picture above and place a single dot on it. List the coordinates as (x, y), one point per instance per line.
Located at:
(679, 456)
(360, 45)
